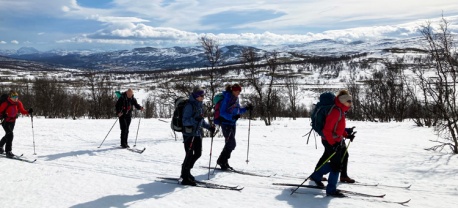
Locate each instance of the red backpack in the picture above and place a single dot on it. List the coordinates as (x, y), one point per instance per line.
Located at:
(217, 102)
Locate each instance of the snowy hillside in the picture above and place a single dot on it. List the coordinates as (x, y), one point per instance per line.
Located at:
(72, 172)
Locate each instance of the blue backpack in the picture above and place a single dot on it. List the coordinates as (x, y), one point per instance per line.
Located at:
(321, 110)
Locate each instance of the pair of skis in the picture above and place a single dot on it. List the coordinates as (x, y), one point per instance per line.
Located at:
(202, 184)
(20, 158)
(236, 171)
(139, 151)
(345, 192)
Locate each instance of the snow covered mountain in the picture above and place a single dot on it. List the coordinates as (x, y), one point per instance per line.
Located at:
(368, 40)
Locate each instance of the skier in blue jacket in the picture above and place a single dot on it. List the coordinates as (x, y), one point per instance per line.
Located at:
(230, 112)
(193, 121)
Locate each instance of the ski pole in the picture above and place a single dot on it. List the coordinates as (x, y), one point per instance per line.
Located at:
(108, 133)
(210, 162)
(313, 173)
(248, 149)
(346, 149)
(33, 134)
(137, 131)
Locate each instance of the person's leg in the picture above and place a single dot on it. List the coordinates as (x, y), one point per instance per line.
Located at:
(197, 151)
(123, 126)
(186, 166)
(3, 140)
(344, 165)
(128, 120)
(318, 174)
(322, 167)
(336, 165)
(325, 155)
(229, 135)
(124, 123)
(9, 136)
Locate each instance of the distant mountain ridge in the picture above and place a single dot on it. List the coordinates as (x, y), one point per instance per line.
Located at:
(147, 58)
(150, 58)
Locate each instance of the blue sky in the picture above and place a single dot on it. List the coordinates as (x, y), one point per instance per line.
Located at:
(126, 24)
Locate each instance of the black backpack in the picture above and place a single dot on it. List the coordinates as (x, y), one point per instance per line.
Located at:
(177, 119)
(3, 98)
(321, 110)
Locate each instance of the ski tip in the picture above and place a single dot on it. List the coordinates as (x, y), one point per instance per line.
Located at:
(408, 187)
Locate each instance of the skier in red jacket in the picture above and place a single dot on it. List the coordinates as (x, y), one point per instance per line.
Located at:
(334, 133)
(9, 111)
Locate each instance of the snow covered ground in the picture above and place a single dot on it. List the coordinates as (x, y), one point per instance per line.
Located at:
(72, 172)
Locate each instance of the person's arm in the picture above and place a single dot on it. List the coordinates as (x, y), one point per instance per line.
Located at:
(223, 110)
(135, 103)
(328, 130)
(119, 105)
(21, 108)
(241, 110)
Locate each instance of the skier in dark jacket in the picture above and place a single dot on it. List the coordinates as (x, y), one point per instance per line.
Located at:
(124, 111)
(193, 121)
(230, 112)
(9, 110)
(334, 133)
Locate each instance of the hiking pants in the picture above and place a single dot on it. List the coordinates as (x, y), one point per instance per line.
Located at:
(336, 160)
(124, 123)
(193, 150)
(8, 138)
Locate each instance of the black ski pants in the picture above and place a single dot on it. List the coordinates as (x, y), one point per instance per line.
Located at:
(336, 160)
(193, 149)
(8, 138)
(124, 123)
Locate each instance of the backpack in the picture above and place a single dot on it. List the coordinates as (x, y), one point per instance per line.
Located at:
(3, 98)
(321, 110)
(118, 94)
(217, 103)
(177, 119)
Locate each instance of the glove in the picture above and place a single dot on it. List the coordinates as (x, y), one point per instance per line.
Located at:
(351, 136)
(30, 111)
(249, 107)
(212, 131)
(236, 117)
(349, 130)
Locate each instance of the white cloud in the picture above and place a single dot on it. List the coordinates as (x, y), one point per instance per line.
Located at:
(182, 22)
(15, 42)
(115, 20)
(138, 33)
(2, 42)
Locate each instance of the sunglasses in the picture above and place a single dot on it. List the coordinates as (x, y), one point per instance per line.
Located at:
(348, 101)
(14, 97)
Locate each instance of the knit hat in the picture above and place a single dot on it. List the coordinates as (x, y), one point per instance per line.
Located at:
(197, 92)
(13, 93)
(345, 98)
(236, 87)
